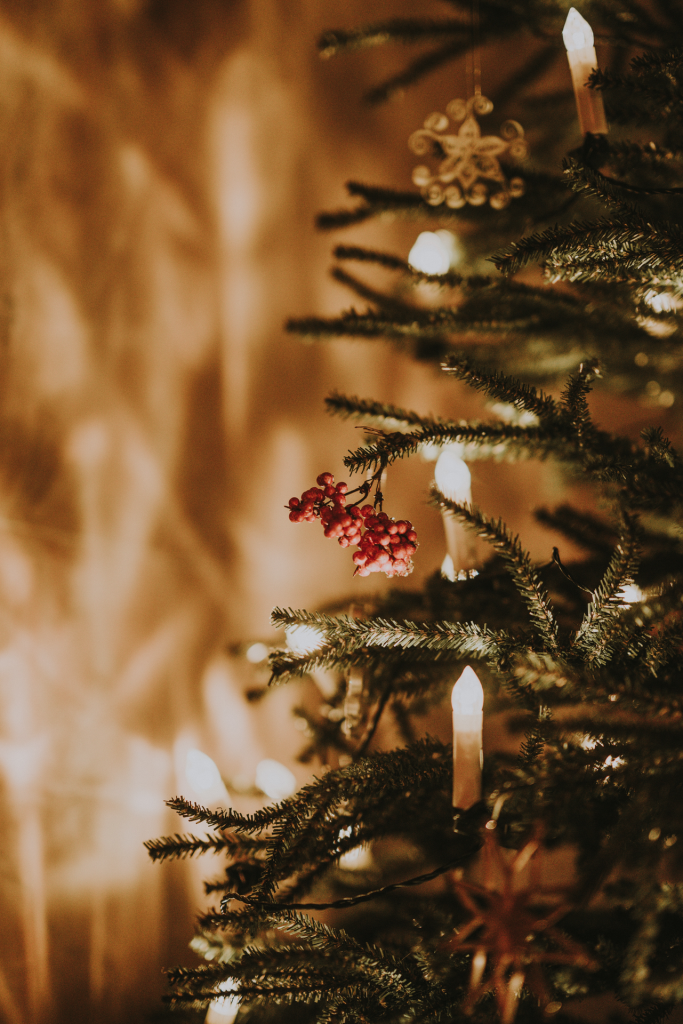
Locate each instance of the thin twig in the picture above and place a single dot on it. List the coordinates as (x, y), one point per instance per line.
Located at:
(372, 727)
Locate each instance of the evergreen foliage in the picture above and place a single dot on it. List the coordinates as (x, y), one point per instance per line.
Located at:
(584, 659)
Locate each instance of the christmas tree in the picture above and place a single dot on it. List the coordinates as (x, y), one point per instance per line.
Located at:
(399, 885)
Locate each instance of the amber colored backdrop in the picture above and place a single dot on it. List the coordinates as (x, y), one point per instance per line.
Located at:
(160, 167)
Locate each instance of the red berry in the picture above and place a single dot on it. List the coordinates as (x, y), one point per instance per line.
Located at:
(325, 479)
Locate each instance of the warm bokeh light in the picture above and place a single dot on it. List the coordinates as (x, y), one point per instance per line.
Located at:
(275, 779)
(204, 778)
(256, 654)
(302, 639)
(434, 252)
(452, 476)
(224, 1009)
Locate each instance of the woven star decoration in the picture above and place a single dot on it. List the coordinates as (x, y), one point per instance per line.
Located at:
(512, 931)
(469, 170)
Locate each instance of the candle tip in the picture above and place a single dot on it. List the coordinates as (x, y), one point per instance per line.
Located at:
(468, 693)
(452, 475)
(576, 33)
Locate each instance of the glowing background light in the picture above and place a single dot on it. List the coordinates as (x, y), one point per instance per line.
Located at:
(630, 594)
(303, 639)
(256, 653)
(434, 252)
(203, 776)
(275, 779)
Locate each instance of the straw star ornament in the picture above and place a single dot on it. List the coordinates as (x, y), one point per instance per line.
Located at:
(512, 932)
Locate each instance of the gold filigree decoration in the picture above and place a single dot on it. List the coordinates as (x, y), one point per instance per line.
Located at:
(469, 170)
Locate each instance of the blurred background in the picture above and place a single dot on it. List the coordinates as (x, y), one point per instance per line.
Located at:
(161, 164)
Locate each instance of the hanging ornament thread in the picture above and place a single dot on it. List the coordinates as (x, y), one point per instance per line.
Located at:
(469, 169)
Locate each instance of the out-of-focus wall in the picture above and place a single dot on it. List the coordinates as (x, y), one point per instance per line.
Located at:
(160, 166)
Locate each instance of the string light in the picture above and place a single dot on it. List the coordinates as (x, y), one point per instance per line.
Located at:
(434, 252)
(303, 639)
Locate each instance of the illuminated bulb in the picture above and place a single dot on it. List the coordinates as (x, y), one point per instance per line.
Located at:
(431, 253)
(662, 302)
(274, 779)
(203, 775)
(630, 594)
(576, 33)
(453, 477)
(302, 639)
(448, 569)
(358, 859)
(224, 1009)
(468, 693)
(256, 653)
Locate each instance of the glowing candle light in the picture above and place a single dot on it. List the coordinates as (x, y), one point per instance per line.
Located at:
(578, 39)
(224, 1009)
(453, 478)
(468, 718)
(274, 779)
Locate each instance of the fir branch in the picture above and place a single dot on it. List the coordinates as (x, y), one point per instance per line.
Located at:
(494, 437)
(354, 634)
(641, 246)
(351, 407)
(524, 575)
(500, 386)
(395, 30)
(179, 846)
(389, 262)
(600, 629)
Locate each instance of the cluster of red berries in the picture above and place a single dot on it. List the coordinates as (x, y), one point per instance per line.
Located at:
(386, 546)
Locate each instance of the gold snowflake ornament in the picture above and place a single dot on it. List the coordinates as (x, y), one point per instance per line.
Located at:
(469, 168)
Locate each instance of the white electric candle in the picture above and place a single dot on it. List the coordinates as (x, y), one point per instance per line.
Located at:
(467, 700)
(578, 39)
(453, 478)
(224, 1009)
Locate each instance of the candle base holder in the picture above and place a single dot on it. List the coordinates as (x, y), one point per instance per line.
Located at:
(468, 821)
(594, 151)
